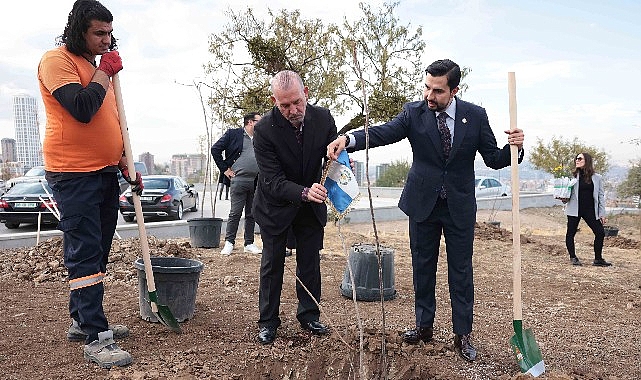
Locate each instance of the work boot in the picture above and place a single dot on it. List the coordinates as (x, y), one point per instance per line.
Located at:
(75, 334)
(106, 353)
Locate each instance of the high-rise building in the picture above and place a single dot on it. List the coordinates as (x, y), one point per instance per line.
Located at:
(359, 173)
(188, 166)
(380, 169)
(25, 115)
(9, 152)
(148, 159)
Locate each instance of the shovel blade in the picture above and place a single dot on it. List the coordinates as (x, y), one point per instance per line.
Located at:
(163, 313)
(527, 352)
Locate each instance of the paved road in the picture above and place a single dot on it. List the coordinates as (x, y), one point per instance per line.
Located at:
(222, 211)
(385, 205)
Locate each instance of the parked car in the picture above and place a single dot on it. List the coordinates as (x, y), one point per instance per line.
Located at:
(490, 187)
(22, 204)
(140, 167)
(164, 196)
(34, 174)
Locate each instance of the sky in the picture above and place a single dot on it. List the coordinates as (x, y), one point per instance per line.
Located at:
(577, 64)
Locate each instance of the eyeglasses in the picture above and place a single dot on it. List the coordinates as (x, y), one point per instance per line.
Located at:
(579, 159)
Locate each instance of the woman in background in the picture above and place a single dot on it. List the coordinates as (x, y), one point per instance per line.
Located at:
(587, 201)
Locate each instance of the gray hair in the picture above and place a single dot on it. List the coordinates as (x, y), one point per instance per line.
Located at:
(284, 80)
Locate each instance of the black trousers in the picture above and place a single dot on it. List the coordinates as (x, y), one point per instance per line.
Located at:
(309, 237)
(291, 239)
(425, 239)
(595, 225)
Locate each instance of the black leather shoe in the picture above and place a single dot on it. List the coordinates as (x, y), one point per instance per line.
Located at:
(463, 346)
(266, 335)
(601, 263)
(575, 261)
(413, 336)
(315, 327)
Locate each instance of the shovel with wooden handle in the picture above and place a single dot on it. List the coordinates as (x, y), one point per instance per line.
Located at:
(162, 312)
(526, 350)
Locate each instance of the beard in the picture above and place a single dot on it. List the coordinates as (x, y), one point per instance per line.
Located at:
(435, 106)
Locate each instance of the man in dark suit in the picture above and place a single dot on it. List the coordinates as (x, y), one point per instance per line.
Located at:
(439, 193)
(290, 143)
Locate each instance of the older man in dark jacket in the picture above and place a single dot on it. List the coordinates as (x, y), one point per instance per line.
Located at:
(290, 146)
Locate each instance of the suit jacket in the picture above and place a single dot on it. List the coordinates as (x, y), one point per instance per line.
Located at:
(430, 170)
(572, 207)
(232, 144)
(285, 169)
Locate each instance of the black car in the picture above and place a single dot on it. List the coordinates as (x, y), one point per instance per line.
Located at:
(25, 201)
(35, 174)
(163, 196)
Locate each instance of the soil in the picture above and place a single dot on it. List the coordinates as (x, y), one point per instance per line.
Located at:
(586, 319)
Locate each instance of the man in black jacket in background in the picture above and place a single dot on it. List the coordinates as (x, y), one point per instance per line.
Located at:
(239, 165)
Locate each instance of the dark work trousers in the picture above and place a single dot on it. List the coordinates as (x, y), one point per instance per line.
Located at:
(595, 225)
(425, 238)
(89, 212)
(309, 238)
(242, 197)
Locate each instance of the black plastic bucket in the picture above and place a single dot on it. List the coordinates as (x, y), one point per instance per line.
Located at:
(364, 263)
(205, 232)
(176, 282)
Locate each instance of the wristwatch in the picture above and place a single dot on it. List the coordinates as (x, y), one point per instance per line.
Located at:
(346, 139)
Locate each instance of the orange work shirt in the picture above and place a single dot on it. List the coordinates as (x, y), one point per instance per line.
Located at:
(69, 145)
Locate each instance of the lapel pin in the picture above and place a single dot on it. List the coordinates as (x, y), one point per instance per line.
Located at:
(464, 120)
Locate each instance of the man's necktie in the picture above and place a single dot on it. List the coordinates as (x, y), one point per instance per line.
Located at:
(446, 143)
(299, 135)
(446, 137)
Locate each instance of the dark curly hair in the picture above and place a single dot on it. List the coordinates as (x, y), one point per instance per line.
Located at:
(80, 17)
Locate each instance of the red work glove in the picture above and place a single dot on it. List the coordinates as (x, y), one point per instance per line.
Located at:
(137, 185)
(110, 63)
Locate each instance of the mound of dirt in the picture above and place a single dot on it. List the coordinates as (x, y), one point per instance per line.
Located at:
(585, 319)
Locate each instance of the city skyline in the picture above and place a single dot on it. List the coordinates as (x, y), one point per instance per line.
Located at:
(564, 56)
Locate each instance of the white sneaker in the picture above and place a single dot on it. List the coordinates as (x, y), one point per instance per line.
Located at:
(227, 249)
(252, 248)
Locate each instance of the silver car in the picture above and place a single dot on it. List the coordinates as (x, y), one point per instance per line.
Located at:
(490, 187)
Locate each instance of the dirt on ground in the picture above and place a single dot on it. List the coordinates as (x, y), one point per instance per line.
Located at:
(586, 319)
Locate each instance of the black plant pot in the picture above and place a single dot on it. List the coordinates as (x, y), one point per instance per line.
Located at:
(205, 232)
(364, 262)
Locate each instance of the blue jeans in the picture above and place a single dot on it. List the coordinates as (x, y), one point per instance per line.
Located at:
(88, 216)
